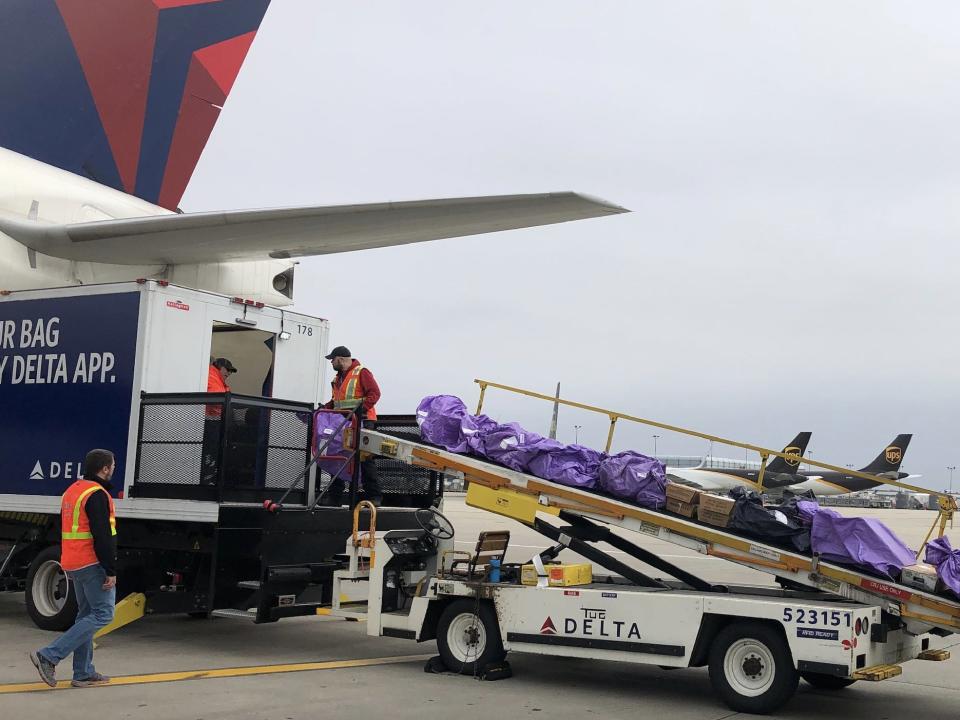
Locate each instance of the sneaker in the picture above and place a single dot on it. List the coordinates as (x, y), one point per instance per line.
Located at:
(47, 670)
(93, 680)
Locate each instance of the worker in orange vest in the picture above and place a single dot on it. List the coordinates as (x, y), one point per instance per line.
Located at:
(220, 370)
(217, 374)
(88, 555)
(355, 387)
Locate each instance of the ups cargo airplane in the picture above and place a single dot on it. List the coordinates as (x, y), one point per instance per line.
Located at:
(106, 109)
(784, 474)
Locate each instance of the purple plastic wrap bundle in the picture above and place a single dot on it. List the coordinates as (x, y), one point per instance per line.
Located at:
(439, 418)
(806, 511)
(510, 445)
(947, 561)
(864, 542)
(472, 430)
(327, 426)
(634, 477)
(571, 465)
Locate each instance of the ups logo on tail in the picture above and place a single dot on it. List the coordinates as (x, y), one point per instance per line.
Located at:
(893, 454)
(793, 455)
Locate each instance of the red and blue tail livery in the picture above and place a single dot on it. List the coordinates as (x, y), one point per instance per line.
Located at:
(124, 92)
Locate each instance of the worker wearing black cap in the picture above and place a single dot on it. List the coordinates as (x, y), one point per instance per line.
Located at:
(354, 386)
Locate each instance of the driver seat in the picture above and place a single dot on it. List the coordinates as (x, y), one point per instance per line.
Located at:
(491, 544)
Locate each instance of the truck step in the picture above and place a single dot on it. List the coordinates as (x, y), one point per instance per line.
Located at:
(235, 614)
(249, 584)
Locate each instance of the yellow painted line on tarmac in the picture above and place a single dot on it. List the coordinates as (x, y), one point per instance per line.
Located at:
(221, 673)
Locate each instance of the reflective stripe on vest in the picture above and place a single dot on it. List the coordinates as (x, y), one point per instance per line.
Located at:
(76, 541)
(75, 533)
(348, 394)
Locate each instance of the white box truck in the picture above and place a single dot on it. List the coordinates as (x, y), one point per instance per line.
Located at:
(124, 366)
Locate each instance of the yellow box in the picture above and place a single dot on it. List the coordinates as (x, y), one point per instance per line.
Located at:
(559, 575)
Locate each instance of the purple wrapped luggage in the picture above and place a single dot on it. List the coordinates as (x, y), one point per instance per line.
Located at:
(864, 542)
(940, 554)
(571, 465)
(439, 418)
(634, 477)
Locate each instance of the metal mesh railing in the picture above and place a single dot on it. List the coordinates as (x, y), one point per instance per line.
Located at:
(400, 479)
(225, 447)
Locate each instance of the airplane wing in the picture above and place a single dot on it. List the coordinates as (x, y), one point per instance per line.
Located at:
(701, 482)
(299, 231)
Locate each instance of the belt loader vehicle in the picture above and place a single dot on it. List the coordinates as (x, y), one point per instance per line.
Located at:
(830, 625)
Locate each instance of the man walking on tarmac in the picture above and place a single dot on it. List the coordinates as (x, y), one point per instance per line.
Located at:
(354, 386)
(88, 554)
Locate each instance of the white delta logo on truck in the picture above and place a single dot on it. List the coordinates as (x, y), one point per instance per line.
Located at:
(57, 470)
(594, 623)
(48, 368)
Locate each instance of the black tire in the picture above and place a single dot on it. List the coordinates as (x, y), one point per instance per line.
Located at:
(751, 668)
(468, 637)
(51, 601)
(827, 682)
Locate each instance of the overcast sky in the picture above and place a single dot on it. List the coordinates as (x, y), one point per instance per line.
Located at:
(793, 171)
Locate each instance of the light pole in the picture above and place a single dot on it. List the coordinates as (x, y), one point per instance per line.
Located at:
(951, 468)
(655, 445)
(576, 434)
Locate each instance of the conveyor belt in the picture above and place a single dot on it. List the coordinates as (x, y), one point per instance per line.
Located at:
(521, 497)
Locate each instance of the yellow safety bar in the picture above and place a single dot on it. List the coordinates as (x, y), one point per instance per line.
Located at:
(947, 503)
(370, 539)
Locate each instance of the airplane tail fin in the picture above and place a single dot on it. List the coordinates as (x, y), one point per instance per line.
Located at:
(125, 93)
(797, 447)
(887, 463)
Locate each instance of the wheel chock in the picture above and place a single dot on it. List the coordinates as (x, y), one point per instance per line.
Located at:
(126, 611)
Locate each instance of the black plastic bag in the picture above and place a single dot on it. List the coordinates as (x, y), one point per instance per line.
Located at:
(750, 517)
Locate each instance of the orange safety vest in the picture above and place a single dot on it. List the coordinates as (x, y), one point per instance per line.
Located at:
(76, 540)
(347, 393)
(215, 384)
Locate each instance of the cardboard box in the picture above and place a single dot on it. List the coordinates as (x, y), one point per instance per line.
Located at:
(681, 508)
(711, 517)
(559, 574)
(717, 504)
(921, 576)
(682, 493)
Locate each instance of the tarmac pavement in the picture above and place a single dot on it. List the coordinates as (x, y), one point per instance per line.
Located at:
(175, 667)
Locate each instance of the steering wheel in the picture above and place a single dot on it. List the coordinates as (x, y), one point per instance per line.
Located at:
(434, 523)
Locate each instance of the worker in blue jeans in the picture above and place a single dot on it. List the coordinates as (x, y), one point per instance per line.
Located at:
(88, 554)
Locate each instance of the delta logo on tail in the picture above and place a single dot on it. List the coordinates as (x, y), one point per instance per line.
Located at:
(131, 89)
(107, 105)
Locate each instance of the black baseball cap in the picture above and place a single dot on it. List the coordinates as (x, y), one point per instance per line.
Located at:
(339, 351)
(224, 363)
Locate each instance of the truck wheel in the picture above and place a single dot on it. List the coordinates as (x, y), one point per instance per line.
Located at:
(827, 682)
(468, 637)
(751, 668)
(51, 601)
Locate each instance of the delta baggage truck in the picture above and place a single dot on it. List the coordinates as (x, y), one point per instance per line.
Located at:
(124, 366)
